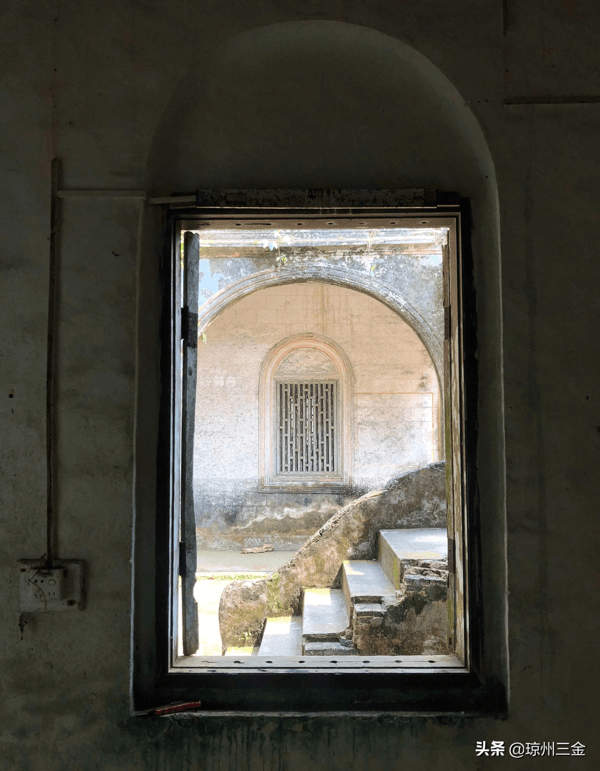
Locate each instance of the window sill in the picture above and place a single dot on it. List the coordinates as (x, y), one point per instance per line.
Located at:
(410, 692)
(318, 664)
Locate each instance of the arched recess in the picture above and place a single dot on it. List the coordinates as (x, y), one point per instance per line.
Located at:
(351, 279)
(313, 104)
(345, 377)
(324, 104)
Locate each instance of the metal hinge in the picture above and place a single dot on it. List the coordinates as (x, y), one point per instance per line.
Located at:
(447, 323)
(189, 327)
(182, 559)
(451, 556)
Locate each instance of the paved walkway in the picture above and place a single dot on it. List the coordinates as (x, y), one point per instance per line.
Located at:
(208, 595)
(212, 561)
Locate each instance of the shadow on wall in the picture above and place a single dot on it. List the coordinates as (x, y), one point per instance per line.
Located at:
(318, 104)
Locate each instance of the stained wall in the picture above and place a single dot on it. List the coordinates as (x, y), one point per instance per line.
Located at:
(282, 94)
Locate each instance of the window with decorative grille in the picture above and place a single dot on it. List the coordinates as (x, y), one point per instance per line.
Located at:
(307, 427)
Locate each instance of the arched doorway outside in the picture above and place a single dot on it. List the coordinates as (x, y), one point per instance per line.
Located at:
(343, 277)
(389, 405)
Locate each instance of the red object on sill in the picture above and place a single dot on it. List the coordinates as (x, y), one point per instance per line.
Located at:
(183, 706)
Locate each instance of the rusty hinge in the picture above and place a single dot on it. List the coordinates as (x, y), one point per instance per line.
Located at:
(189, 327)
(182, 560)
(447, 323)
(451, 556)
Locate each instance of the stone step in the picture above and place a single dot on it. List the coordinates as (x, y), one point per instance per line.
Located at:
(365, 583)
(324, 616)
(282, 637)
(416, 583)
(329, 648)
(370, 609)
(410, 544)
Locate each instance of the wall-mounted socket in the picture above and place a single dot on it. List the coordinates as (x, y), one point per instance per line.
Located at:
(44, 588)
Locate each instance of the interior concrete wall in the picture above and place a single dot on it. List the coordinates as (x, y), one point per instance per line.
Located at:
(348, 94)
(393, 392)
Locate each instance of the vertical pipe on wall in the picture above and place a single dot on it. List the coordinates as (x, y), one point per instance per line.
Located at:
(50, 345)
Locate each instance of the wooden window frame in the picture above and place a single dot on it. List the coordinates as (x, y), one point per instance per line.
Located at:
(424, 685)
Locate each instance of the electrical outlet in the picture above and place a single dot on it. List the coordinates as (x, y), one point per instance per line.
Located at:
(46, 584)
(44, 588)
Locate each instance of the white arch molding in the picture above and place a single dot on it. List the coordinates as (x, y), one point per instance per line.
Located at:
(266, 393)
(330, 274)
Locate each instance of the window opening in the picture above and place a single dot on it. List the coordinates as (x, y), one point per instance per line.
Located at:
(310, 431)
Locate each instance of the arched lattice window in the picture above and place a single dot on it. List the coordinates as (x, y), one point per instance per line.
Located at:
(306, 408)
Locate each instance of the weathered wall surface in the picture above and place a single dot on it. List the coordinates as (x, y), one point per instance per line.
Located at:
(348, 94)
(394, 420)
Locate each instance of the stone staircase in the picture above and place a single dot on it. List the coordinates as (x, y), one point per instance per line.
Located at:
(389, 606)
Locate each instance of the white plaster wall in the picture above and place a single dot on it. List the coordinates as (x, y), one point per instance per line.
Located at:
(395, 389)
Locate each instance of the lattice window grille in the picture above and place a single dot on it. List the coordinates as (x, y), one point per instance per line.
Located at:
(307, 427)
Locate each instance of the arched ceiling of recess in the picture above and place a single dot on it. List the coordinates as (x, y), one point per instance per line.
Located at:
(318, 104)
